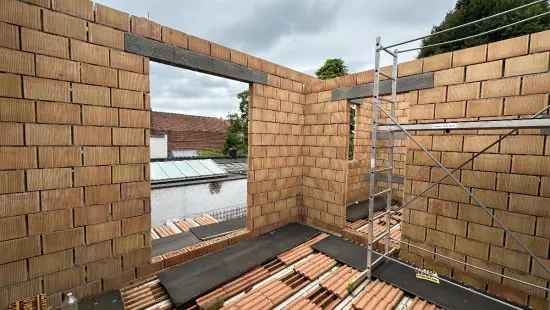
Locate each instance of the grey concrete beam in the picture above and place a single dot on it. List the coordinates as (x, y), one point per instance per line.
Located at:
(182, 58)
(398, 179)
(404, 84)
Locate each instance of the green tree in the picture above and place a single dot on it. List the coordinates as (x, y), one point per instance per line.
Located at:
(237, 132)
(332, 68)
(470, 10)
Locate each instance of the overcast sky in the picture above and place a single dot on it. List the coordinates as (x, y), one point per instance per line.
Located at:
(299, 34)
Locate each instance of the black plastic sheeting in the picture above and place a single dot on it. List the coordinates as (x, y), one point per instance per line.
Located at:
(357, 211)
(344, 251)
(171, 243)
(111, 300)
(443, 294)
(205, 232)
(188, 281)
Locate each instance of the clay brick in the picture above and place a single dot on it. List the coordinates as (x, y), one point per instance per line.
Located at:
(133, 81)
(220, 52)
(45, 264)
(13, 273)
(38, 134)
(508, 48)
(421, 111)
(468, 56)
(450, 110)
(449, 77)
(509, 258)
(98, 75)
(17, 157)
(19, 13)
(127, 244)
(419, 173)
(102, 194)
(100, 156)
(521, 105)
(128, 173)
(63, 280)
(440, 239)
(133, 118)
(501, 87)
(89, 53)
(12, 134)
(43, 43)
(528, 64)
(94, 95)
(478, 143)
(19, 204)
(110, 17)
(91, 215)
(537, 245)
(106, 36)
(10, 36)
(62, 240)
(84, 176)
(447, 143)
(12, 181)
(516, 183)
(486, 234)
(410, 67)
(79, 8)
(93, 252)
(88, 135)
(135, 190)
(453, 193)
(103, 268)
(538, 271)
(534, 165)
(454, 160)
(479, 179)
(128, 208)
(61, 199)
(146, 28)
(10, 85)
(484, 71)
(134, 155)
(484, 107)
(58, 69)
(474, 214)
(13, 250)
(432, 95)
(463, 92)
(238, 58)
(57, 113)
(451, 225)
(532, 205)
(43, 89)
(40, 179)
(472, 248)
(99, 116)
(16, 61)
(127, 99)
(537, 83)
(16, 110)
(422, 219)
(101, 232)
(200, 45)
(19, 291)
(128, 136)
(491, 199)
(516, 222)
(425, 141)
(12, 227)
(174, 37)
(437, 62)
(64, 25)
(532, 145)
(126, 61)
(540, 41)
(46, 222)
(493, 162)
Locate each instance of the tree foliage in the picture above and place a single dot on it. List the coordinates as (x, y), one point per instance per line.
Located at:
(470, 10)
(332, 68)
(236, 141)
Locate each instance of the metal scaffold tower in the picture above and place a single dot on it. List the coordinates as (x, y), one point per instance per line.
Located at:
(379, 111)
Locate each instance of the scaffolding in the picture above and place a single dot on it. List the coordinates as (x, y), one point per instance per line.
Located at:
(538, 120)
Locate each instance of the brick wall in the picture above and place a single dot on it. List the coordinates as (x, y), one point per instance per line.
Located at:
(74, 154)
(502, 80)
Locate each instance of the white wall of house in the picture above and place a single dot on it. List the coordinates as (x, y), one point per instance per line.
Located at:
(159, 147)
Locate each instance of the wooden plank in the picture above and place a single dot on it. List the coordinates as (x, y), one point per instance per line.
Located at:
(180, 57)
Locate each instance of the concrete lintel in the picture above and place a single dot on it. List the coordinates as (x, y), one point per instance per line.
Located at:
(183, 58)
(404, 84)
(397, 179)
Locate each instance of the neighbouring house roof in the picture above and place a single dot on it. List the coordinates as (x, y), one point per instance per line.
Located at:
(189, 132)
